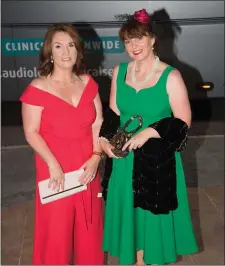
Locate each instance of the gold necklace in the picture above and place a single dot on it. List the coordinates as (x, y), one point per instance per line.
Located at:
(63, 82)
(150, 74)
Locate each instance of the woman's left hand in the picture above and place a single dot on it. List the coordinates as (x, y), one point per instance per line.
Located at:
(139, 140)
(90, 169)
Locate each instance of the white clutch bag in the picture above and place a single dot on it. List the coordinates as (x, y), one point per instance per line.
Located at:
(71, 186)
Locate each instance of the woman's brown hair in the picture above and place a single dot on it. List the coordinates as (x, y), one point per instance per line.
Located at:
(132, 28)
(46, 66)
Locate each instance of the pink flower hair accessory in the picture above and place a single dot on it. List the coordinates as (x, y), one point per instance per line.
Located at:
(142, 16)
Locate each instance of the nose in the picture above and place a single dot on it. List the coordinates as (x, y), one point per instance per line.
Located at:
(133, 43)
(66, 51)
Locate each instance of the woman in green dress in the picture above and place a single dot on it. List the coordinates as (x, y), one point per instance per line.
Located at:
(150, 223)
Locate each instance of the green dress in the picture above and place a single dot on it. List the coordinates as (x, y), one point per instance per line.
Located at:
(128, 229)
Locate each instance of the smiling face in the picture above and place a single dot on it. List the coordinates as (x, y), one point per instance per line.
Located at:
(139, 48)
(138, 39)
(63, 44)
(64, 52)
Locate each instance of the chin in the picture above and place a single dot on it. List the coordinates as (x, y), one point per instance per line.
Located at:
(67, 66)
(140, 57)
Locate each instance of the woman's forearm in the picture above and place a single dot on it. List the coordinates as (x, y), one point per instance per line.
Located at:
(37, 143)
(152, 133)
(95, 130)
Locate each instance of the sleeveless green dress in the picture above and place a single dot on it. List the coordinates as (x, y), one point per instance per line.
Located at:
(128, 229)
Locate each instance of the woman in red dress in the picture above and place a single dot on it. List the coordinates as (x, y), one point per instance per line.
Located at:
(62, 115)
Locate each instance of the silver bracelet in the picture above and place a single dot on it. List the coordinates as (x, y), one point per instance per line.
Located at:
(103, 138)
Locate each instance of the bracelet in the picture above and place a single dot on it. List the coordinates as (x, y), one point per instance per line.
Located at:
(98, 153)
(103, 138)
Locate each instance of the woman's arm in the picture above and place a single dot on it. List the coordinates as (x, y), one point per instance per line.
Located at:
(31, 116)
(112, 114)
(111, 119)
(91, 165)
(112, 99)
(97, 124)
(178, 97)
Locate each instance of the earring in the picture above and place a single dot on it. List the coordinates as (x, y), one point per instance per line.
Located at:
(51, 59)
(152, 48)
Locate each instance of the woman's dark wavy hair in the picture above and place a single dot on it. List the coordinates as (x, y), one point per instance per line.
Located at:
(46, 67)
(131, 28)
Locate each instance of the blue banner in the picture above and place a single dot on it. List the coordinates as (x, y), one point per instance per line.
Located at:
(32, 46)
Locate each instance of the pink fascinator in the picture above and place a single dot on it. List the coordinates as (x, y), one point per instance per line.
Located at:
(142, 16)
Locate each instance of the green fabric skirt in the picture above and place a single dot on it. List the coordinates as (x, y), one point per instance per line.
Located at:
(128, 229)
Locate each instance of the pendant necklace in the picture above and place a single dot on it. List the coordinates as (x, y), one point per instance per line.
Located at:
(148, 76)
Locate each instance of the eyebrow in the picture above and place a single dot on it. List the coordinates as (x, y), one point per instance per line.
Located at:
(61, 43)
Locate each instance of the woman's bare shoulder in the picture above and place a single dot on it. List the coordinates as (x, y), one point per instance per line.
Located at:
(40, 83)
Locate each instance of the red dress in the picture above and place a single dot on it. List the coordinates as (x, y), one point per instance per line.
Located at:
(76, 221)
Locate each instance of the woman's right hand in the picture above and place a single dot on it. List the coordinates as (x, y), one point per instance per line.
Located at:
(107, 148)
(57, 177)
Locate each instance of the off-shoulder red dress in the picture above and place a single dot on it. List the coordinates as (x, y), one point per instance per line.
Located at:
(73, 224)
